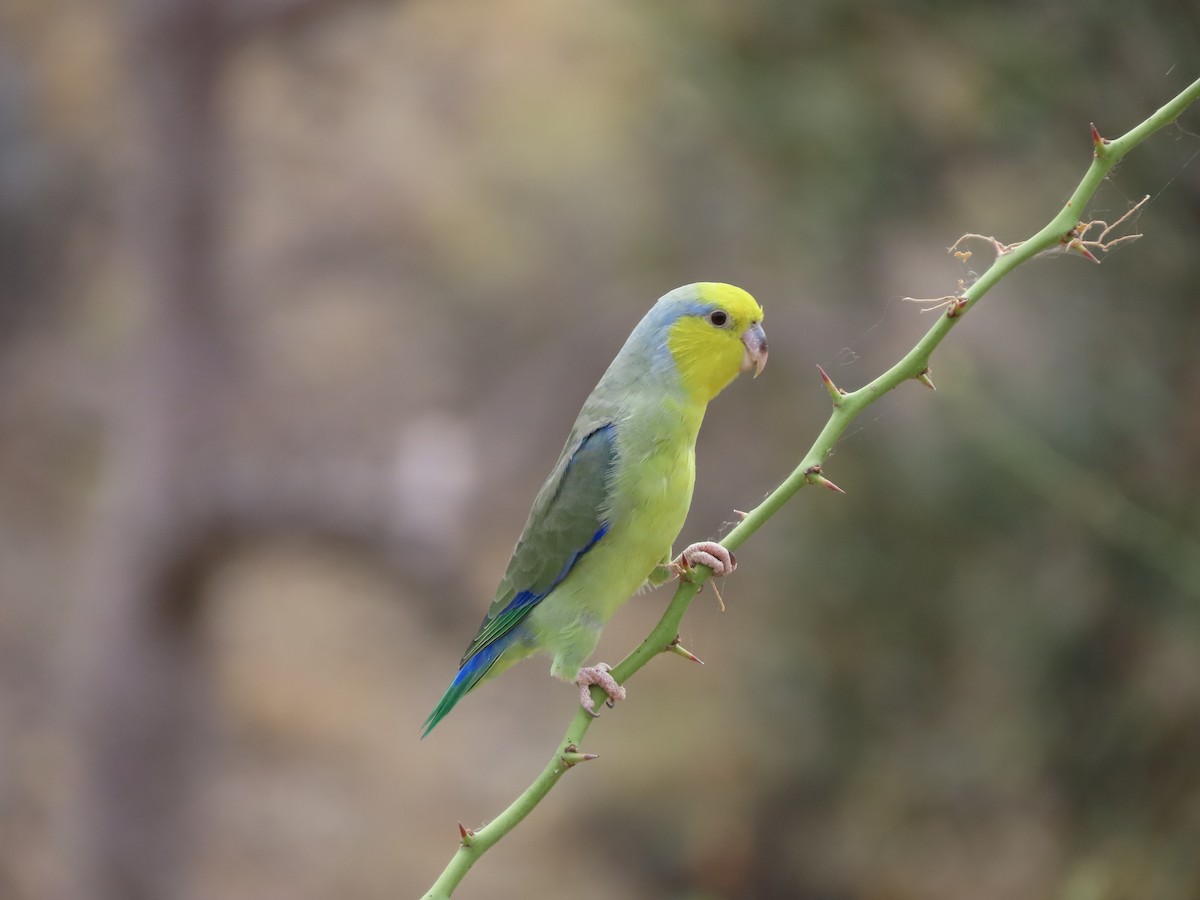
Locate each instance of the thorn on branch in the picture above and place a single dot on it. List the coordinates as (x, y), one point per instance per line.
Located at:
(678, 649)
(835, 392)
(572, 757)
(813, 476)
(1099, 144)
(1079, 247)
(924, 378)
(466, 834)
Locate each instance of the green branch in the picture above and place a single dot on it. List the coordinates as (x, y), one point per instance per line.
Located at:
(1066, 232)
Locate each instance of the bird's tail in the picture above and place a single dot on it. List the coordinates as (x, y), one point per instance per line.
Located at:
(470, 673)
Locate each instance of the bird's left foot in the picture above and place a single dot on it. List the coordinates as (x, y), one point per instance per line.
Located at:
(704, 553)
(598, 675)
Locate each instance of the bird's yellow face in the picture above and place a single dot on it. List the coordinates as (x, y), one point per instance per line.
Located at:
(719, 337)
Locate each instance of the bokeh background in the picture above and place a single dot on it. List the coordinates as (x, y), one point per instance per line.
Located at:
(297, 301)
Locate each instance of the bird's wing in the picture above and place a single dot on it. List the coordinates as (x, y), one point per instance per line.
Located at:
(569, 517)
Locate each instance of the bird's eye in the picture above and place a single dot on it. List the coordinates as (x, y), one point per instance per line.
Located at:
(718, 317)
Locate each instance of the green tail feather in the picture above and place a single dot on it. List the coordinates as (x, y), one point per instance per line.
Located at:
(469, 675)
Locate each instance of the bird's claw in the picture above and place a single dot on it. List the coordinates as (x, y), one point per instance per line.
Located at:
(704, 553)
(599, 676)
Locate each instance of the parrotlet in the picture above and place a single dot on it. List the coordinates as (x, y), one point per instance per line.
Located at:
(603, 524)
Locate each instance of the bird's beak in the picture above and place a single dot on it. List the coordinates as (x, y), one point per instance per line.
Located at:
(755, 356)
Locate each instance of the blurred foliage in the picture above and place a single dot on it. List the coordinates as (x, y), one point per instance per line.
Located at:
(441, 219)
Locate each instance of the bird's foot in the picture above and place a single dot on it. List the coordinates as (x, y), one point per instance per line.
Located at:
(704, 553)
(597, 675)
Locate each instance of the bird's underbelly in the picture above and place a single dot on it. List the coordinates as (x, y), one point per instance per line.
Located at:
(651, 496)
(644, 523)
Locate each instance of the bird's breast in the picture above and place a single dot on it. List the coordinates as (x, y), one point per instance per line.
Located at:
(652, 490)
(653, 500)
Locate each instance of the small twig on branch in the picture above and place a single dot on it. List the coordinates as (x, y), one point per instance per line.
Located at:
(933, 304)
(1079, 241)
(999, 246)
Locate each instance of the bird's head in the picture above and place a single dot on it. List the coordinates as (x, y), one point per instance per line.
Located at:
(713, 331)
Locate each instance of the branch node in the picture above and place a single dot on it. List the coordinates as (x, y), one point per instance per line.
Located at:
(680, 650)
(813, 476)
(835, 392)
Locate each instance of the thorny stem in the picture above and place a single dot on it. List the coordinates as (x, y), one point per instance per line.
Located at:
(1066, 231)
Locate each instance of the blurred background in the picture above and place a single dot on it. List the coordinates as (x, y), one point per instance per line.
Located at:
(298, 299)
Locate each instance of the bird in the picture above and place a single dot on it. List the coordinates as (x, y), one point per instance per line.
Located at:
(603, 524)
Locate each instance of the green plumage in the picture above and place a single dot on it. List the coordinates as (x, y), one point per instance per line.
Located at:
(618, 495)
